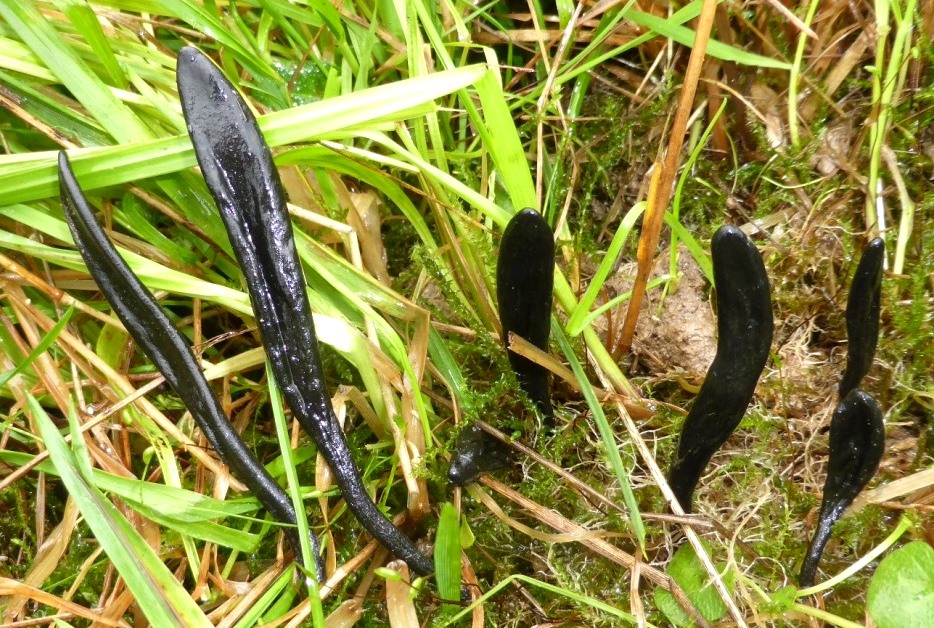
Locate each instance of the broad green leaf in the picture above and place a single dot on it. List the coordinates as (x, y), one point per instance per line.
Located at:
(901, 594)
(688, 572)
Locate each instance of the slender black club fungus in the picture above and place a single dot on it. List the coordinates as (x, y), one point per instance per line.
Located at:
(857, 439)
(524, 285)
(238, 168)
(744, 336)
(168, 350)
(862, 315)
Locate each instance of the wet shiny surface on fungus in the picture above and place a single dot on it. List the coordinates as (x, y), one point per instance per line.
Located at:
(524, 286)
(240, 173)
(862, 315)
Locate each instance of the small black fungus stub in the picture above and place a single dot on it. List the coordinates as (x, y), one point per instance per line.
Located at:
(744, 329)
(476, 453)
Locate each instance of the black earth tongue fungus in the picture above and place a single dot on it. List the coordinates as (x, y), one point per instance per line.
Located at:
(169, 351)
(744, 336)
(857, 440)
(240, 173)
(862, 315)
(524, 287)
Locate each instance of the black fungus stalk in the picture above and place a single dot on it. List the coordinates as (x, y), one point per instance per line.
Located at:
(238, 168)
(857, 439)
(744, 336)
(862, 315)
(524, 285)
(168, 350)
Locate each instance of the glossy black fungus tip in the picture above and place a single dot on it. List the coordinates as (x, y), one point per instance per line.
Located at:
(524, 286)
(857, 441)
(862, 315)
(744, 326)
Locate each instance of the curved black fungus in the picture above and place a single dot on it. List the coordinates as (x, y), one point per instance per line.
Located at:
(744, 336)
(238, 168)
(862, 315)
(476, 452)
(524, 286)
(169, 351)
(857, 439)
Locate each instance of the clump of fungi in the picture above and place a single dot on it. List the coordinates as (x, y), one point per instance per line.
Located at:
(857, 432)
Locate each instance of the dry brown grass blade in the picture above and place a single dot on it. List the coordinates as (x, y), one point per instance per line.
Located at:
(55, 294)
(598, 546)
(918, 481)
(469, 578)
(230, 612)
(99, 418)
(663, 177)
(346, 615)
(587, 492)
(16, 588)
(70, 344)
(521, 346)
(539, 512)
(47, 558)
(399, 605)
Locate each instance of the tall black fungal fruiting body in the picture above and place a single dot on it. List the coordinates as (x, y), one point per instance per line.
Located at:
(240, 173)
(524, 286)
(862, 315)
(857, 439)
(744, 327)
(169, 351)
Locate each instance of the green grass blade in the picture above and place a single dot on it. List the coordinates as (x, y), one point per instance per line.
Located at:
(579, 317)
(96, 97)
(41, 348)
(581, 599)
(160, 597)
(340, 117)
(89, 28)
(448, 554)
(607, 436)
(717, 49)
